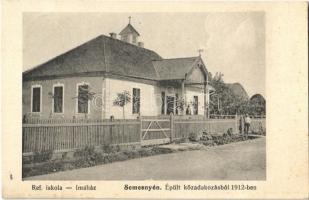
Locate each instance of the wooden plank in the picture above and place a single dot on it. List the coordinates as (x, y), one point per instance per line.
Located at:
(158, 120)
(81, 124)
(157, 130)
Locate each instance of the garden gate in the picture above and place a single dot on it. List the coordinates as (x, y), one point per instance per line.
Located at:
(155, 130)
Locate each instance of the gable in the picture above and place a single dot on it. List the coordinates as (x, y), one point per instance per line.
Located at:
(129, 29)
(196, 75)
(175, 68)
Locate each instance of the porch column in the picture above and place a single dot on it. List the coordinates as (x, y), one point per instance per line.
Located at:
(205, 100)
(183, 96)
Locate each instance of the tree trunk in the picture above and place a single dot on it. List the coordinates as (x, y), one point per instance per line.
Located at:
(123, 115)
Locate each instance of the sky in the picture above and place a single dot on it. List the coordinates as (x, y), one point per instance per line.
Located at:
(233, 43)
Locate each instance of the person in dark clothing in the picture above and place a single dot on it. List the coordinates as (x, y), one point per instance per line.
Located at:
(188, 110)
(241, 123)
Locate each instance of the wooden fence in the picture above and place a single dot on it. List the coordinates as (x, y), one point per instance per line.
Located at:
(40, 135)
(184, 125)
(60, 134)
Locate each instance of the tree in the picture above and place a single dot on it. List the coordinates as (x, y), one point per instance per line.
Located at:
(84, 95)
(121, 100)
(229, 102)
(257, 105)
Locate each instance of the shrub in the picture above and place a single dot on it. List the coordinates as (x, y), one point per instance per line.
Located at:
(157, 150)
(230, 131)
(88, 157)
(108, 148)
(120, 156)
(209, 143)
(42, 156)
(84, 152)
(181, 140)
(206, 136)
(144, 152)
(193, 137)
(27, 159)
(132, 154)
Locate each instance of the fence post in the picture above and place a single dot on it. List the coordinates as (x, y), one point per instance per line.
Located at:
(172, 126)
(111, 129)
(236, 123)
(141, 132)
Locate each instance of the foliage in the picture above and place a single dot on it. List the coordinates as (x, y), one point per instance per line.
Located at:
(84, 95)
(229, 102)
(42, 156)
(193, 137)
(257, 105)
(122, 99)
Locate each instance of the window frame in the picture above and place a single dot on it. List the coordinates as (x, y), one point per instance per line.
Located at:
(31, 101)
(134, 39)
(163, 103)
(53, 106)
(195, 106)
(139, 109)
(76, 107)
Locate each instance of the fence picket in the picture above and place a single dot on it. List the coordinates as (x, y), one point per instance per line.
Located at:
(39, 135)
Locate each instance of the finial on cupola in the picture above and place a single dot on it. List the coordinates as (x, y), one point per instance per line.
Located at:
(129, 33)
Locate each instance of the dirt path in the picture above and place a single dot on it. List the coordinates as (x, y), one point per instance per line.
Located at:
(237, 161)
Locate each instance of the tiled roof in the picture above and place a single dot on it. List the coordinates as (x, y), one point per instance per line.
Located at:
(175, 68)
(105, 54)
(101, 54)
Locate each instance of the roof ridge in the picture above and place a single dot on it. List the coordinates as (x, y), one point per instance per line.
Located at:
(127, 43)
(177, 58)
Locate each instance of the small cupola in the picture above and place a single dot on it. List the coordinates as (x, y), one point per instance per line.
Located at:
(129, 34)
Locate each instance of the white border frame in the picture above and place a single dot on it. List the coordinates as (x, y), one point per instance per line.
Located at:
(41, 100)
(76, 106)
(58, 85)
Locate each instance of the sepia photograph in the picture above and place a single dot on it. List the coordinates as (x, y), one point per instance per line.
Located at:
(154, 100)
(139, 96)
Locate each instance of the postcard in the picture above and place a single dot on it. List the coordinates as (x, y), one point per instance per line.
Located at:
(155, 100)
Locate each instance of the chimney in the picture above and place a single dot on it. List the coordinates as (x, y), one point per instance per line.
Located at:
(140, 44)
(113, 35)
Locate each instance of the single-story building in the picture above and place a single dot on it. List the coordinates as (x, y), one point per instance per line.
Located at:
(86, 81)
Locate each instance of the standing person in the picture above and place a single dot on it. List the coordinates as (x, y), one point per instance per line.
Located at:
(247, 124)
(241, 123)
(188, 110)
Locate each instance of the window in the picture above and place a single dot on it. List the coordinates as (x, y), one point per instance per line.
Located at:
(136, 100)
(163, 103)
(36, 99)
(177, 104)
(195, 105)
(134, 39)
(58, 99)
(124, 38)
(83, 98)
